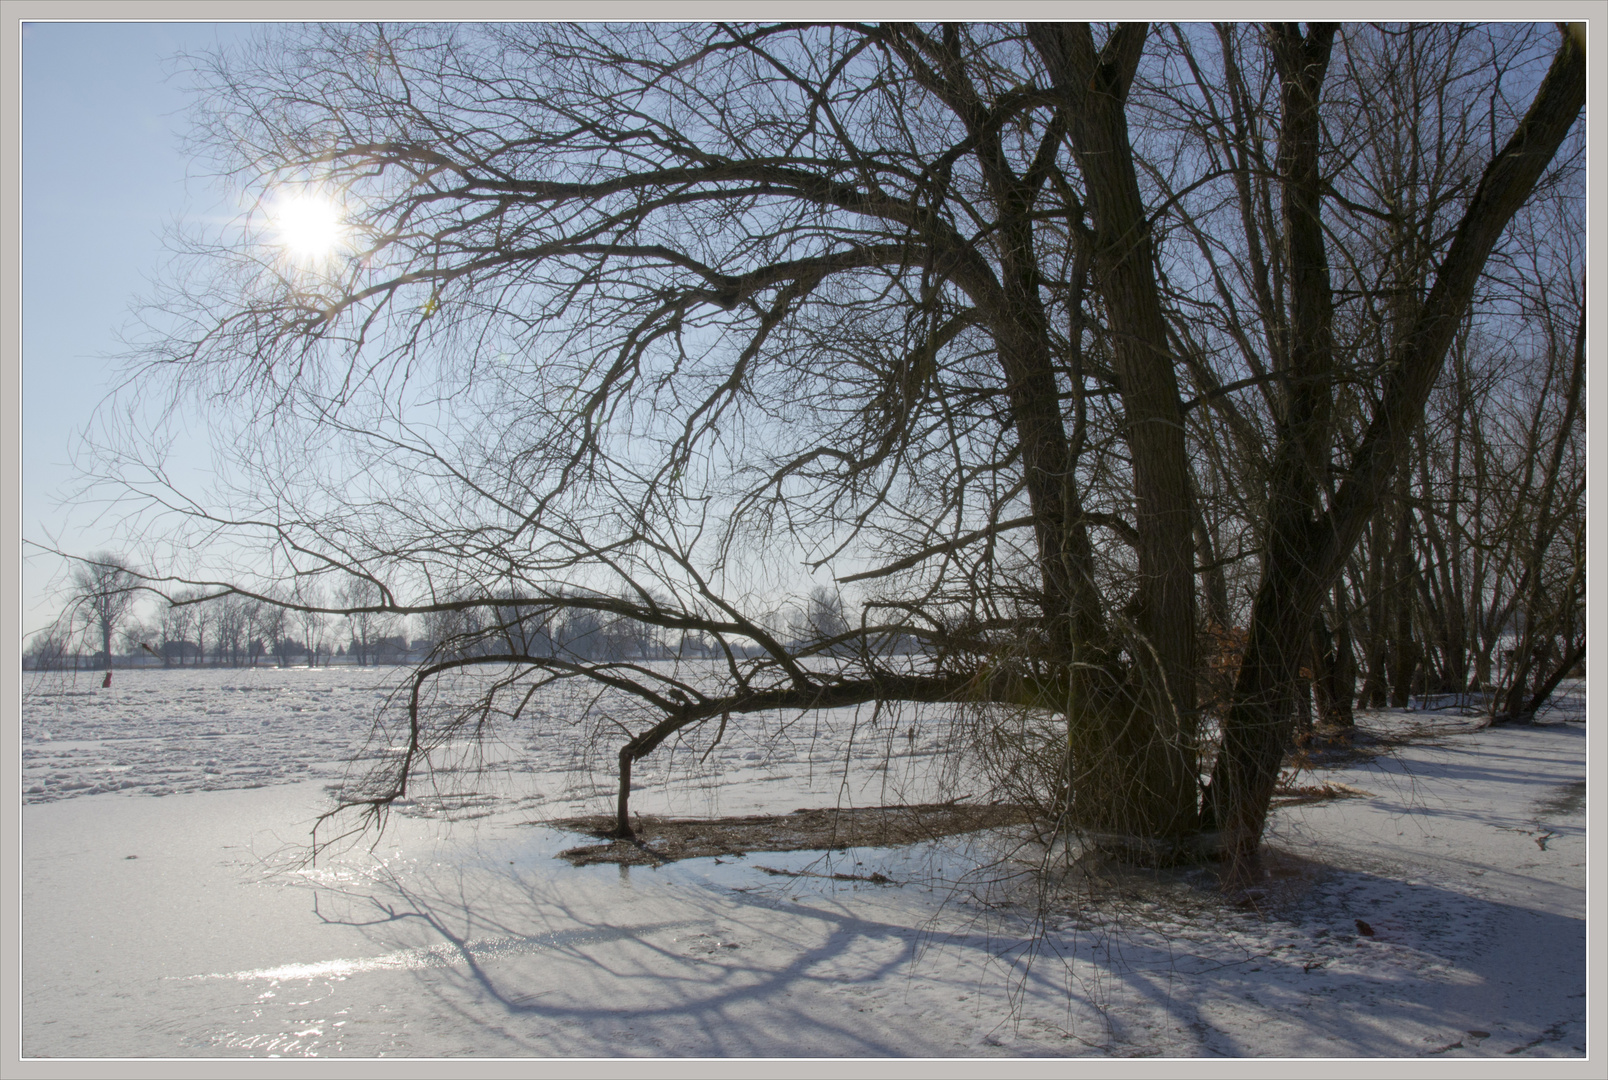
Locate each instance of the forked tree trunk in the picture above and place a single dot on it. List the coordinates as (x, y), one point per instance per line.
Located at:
(1150, 742)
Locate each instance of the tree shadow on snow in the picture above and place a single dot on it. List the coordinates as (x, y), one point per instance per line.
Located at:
(1327, 961)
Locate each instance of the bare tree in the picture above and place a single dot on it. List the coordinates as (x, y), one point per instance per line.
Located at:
(104, 588)
(206, 619)
(48, 650)
(1325, 478)
(452, 632)
(820, 620)
(364, 602)
(312, 622)
(1453, 582)
(275, 619)
(232, 622)
(177, 624)
(943, 310)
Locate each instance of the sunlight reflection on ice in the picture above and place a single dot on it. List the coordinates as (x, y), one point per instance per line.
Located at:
(445, 955)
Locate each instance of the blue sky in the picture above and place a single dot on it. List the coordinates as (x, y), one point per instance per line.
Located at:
(104, 110)
(103, 176)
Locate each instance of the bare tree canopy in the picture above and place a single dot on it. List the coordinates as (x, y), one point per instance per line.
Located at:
(1063, 349)
(103, 591)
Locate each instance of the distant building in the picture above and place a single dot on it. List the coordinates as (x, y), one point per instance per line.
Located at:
(182, 652)
(389, 650)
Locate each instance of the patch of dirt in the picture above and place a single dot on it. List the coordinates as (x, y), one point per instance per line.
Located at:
(1566, 799)
(1334, 747)
(662, 840)
(1328, 747)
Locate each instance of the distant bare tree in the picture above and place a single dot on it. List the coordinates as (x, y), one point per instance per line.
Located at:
(233, 619)
(366, 618)
(48, 651)
(177, 625)
(103, 596)
(820, 620)
(312, 622)
(206, 619)
(273, 624)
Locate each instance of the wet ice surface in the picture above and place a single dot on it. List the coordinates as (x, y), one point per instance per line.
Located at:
(165, 731)
(186, 926)
(157, 732)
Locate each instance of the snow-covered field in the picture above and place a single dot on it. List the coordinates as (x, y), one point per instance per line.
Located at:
(184, 925)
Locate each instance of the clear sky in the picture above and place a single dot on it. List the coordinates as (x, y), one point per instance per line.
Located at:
(103, 176)
(104, 109)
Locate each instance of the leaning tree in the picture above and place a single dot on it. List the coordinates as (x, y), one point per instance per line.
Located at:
(1062, 348)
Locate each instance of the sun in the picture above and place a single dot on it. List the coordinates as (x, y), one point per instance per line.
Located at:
(308, 227)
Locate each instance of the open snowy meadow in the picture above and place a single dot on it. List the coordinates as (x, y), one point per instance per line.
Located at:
(169, 911)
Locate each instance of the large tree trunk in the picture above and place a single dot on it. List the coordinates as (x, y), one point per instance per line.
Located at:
(1304, 549)
(1134, 754)
(1256, 730)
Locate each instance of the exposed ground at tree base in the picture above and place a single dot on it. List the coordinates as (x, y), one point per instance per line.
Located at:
(664, 839)
(1332, 746)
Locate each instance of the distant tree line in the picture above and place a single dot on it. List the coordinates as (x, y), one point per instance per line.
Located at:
(196, 626)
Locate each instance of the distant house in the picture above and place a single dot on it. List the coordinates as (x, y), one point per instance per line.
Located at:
(389, 650)
(181, 652)
(288, 651)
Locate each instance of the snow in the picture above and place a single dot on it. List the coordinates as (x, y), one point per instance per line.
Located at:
(187, 925)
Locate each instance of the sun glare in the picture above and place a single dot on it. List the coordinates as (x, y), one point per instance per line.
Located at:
(309, 226)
